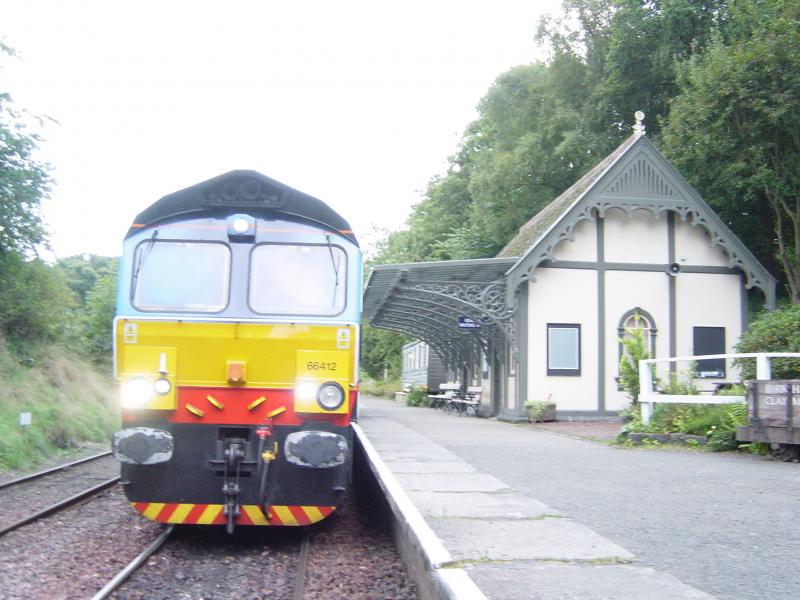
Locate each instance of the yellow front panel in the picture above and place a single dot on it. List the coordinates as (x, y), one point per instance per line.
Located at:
(319, 366)
(198, 354)
(145, 362)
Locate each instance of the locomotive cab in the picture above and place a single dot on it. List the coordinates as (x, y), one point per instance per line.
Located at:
(235, 348)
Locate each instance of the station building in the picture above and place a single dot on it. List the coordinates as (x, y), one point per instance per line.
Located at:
(631, 245)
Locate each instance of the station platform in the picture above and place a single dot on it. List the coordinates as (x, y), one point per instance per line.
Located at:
(466, 534)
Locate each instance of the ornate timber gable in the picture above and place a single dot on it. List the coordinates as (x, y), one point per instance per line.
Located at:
(634, 177)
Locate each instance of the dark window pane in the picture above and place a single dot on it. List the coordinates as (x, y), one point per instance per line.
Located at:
(709, 340)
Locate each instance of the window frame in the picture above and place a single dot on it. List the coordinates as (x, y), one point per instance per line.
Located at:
(345, 298)
(650, 341)
(134, 279)
(571, 372)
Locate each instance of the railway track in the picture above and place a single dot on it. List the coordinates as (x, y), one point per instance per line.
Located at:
(60, 505)
(94, 545)
(58, 469)
(132, 566)
(302, 567)
(22, 501)
(119, 579)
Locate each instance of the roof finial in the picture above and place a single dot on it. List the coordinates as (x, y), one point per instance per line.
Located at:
(638, 128)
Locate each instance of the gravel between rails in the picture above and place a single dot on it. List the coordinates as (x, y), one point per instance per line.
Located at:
(206, 562)
(349, 558)
(73, 553)
(27, 498)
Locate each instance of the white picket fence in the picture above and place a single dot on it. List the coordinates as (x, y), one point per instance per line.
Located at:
(648, 397)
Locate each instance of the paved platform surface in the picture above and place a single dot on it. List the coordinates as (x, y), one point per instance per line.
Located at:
(531, 514)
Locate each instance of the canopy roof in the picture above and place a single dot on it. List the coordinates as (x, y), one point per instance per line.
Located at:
(458, 307)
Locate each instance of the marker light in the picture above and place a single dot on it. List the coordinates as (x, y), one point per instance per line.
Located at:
(162, 386)
(240, 225)
(136, 393)
(330, 396)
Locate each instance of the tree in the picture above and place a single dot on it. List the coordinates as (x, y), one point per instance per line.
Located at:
(733, 130)
(24, 181)
(648, 40)
(82, 272)
(35, 302)
(381, 349)
(100, 310)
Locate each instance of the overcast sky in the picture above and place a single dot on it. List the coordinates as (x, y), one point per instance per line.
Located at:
(357, 103)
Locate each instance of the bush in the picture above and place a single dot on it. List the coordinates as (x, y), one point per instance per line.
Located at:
(717, 422)
(417, 396)
(635, 351)
(379, 387)
(772, 331)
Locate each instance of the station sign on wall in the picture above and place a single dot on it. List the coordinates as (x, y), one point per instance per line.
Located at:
(465, 322)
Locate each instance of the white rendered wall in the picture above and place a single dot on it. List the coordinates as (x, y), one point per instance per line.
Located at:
(706, 300)
(693, 247)
(626, 290)
(639, 239)
(583, 248)
(563, 296)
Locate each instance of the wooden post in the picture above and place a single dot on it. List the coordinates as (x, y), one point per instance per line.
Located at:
(763, 370)
(645, 390)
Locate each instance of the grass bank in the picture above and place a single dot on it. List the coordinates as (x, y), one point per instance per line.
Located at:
(69, 401)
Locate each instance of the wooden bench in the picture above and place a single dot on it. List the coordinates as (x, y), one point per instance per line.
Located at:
(447, 391)
(470, 403)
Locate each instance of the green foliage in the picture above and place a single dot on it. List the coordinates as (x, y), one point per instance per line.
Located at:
(679, 384)
(634, 350)
(70, 404)
(82, 272)
(100, 310)
(381, 349)
(732, 130)
(417, 396)
(379, 388)
(35, 302)
(717, 422)
(722, 434)
(536, 409)
(772, 331)
(24, 182)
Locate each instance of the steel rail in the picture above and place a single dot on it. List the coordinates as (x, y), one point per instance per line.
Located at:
(53, 470)
(300, 579)
(60, 505)
(137, 562)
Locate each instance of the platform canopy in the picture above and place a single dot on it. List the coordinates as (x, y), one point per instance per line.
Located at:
(457, 307)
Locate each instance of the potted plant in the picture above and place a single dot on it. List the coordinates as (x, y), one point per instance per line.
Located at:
(540, 411)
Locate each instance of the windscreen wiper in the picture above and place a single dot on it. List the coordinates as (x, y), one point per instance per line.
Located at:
(143, 254)
(335, 265)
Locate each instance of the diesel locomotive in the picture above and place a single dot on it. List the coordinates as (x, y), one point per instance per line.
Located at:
(236, 352)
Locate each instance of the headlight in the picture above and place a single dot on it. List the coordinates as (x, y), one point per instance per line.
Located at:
(330, 396)
(162, 386)
(305, 391)
(136, 393)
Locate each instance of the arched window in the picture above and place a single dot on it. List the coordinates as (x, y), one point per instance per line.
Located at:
(637, 318)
